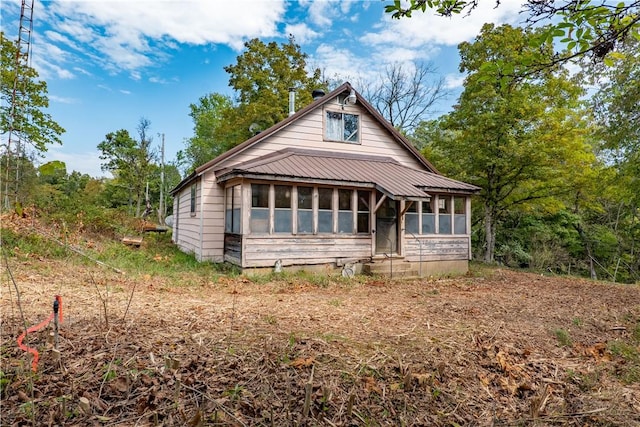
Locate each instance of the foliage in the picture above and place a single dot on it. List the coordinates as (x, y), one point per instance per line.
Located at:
(29, 122)
(212, 133)
(261, 78)
(521, 140)
(130, 160)
(586, 28)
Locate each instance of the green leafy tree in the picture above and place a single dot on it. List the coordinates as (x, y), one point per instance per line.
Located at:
(520, 140)
(130, 161)
(24, 122)
(588, 28)
(212, 134)
(262, 78)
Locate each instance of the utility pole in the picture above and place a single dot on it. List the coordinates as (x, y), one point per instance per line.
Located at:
(162, 213)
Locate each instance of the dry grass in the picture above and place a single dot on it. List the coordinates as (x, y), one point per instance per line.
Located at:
(482, 350)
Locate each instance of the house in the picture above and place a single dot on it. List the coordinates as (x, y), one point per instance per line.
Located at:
(333, 184)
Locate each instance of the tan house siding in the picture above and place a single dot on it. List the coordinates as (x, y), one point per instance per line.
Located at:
(264, 251)
(441, 248)
(307, 133)
(188, 237)
(213, 219)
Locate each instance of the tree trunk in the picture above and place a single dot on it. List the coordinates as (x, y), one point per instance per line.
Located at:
(489, 235)
(587, 246)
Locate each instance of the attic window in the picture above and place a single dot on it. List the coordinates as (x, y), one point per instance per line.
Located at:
(341, 127)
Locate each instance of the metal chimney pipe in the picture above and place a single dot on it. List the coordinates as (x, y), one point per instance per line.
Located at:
(292, 101)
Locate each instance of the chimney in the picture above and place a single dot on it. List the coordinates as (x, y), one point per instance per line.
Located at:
(317, 94)
(292, 101)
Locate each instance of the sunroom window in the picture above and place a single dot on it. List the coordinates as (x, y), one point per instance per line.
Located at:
(444, 215)
(345, 211)
(232, 209)
(259, 208)
(305, 209)
(325, 210)
(341, 127)
(282, 213)
(411, 218)
(459, 216)
(364, 214)
(428, 217)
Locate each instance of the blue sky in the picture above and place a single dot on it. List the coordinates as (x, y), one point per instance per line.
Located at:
(107, 63)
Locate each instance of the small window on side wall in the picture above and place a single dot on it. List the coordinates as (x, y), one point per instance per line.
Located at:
(194, 193)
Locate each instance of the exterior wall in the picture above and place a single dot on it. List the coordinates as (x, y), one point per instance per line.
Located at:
(264, 251)
(212, 230)
(440, 248)
(186, 228)
(440, 268)
(308, 133)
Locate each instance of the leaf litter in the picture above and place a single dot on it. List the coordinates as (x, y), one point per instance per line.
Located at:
(477, 350)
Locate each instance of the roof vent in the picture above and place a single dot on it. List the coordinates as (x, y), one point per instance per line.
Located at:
(317, 94)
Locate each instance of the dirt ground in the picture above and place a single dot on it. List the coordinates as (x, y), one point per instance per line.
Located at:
(492, 348)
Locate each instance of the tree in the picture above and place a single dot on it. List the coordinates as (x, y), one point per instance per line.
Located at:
(130, 161)
(589, 28)
(519, 140)
(212, 136)
(405, 96)
(262, 78)
(22, 117)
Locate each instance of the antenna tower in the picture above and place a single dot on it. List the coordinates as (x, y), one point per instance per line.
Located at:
(17, 113)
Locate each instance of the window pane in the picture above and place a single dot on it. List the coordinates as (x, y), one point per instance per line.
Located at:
(350, 127)
(428, 223)
(260, 195)
(444, 224)
(459, 224)
(259, 220)
(459, 217)
(325, 198)
(305, 197)
(325, 222)
(363, 211)
(444, 204)
(305, 221)
(193, 198)
(344, 200)
(283, 196)
(282, 221)
(325, 210)
(427, 207)
(345, 222)
(411, 218)
(228, 211)
(334, 126)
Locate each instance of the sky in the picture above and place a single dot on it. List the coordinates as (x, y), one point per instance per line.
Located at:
(109, 63)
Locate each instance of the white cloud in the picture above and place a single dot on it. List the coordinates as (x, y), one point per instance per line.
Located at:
(132, 35)
(63, 100)
(423, 29)
(342, 63)
(302, 33)
(126, 92)
(454, 81)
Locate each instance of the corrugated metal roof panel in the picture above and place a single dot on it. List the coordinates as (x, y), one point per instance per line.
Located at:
(395, 179)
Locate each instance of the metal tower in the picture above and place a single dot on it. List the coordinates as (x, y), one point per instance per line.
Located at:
(17, 113)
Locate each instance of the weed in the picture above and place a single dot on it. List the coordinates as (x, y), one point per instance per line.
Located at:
(235, 392)
(563, 337)
(271, 320)
(577, 321)
(4, 383)
(624, 350)
(335, 302)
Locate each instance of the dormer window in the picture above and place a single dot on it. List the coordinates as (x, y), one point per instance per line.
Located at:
(341, 127)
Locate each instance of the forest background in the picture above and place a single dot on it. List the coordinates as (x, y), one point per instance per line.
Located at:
(548, 126)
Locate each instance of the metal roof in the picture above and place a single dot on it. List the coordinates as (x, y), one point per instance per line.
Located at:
(383, 173)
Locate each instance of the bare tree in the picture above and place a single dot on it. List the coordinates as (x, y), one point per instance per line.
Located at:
(404, 95)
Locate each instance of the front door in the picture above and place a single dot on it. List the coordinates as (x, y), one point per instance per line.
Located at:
(387, 227)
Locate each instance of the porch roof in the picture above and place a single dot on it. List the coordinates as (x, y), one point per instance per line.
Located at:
(383, 173)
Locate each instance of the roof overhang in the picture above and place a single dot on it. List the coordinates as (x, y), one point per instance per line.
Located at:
(339, 169)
